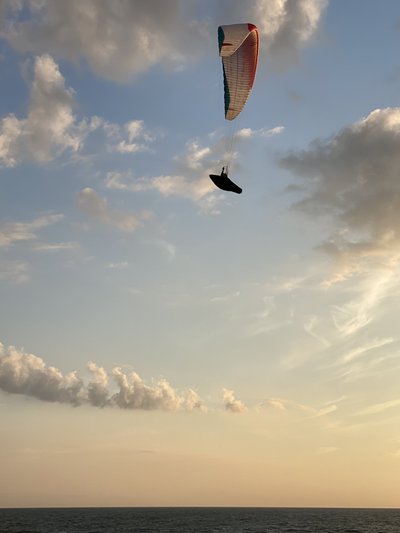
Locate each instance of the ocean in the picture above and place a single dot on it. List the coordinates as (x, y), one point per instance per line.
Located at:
(199, 520)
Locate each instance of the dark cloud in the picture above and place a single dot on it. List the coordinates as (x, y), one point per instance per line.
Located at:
(352, 179)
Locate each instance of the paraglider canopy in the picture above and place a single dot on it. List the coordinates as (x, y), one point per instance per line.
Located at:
(238, 48)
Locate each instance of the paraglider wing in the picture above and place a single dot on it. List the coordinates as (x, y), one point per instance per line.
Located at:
(238, 48)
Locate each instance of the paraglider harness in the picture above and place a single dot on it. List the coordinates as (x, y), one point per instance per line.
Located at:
(223, 182)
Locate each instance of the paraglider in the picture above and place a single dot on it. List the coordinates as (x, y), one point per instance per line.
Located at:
(223, 182)
(238, 48)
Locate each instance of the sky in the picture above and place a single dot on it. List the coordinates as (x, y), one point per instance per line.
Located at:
(165, 343)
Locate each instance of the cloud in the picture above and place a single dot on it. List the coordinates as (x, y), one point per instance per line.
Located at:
(54, 247)
(231, 403)
(379, 407)
(352, 180)
(365, 350)
(135, 394)
(191, 183)
(130, 138)
(123, 38)
(117, 39)
(27, 374)
(14, 272)
(96, 207)
(247, 133)
(138, 138)
(13, 232)
(191, 180)
(275, 403)
(359, 312)
(50, 127)
(22, 373)
(281, 404)
(288, 25)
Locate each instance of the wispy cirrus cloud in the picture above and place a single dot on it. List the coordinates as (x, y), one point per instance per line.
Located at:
(282, 404)
(13, 232)
(54, 246)
(359, 311)
(379, 407)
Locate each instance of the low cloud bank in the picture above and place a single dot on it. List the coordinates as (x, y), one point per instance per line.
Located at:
(27, 374)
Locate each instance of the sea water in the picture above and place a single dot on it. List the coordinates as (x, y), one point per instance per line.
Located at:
(199, 520)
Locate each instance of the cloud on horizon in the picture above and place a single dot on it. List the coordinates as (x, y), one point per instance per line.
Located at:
(27, 374)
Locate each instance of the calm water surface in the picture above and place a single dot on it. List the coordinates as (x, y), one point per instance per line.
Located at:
(199, 520)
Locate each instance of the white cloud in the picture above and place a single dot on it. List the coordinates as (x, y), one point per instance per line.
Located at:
(248, 133)
(96, 207)
(122, 38)
(191, 180)
(50, 127)
(23, 373)
(352, 180)
(97, 389)
(231, 403)
(27, 374)
(13, 232)
(138, 138)
(287, 25)
(134, 393)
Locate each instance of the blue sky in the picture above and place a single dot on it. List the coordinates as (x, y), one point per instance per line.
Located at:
(255, 332)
